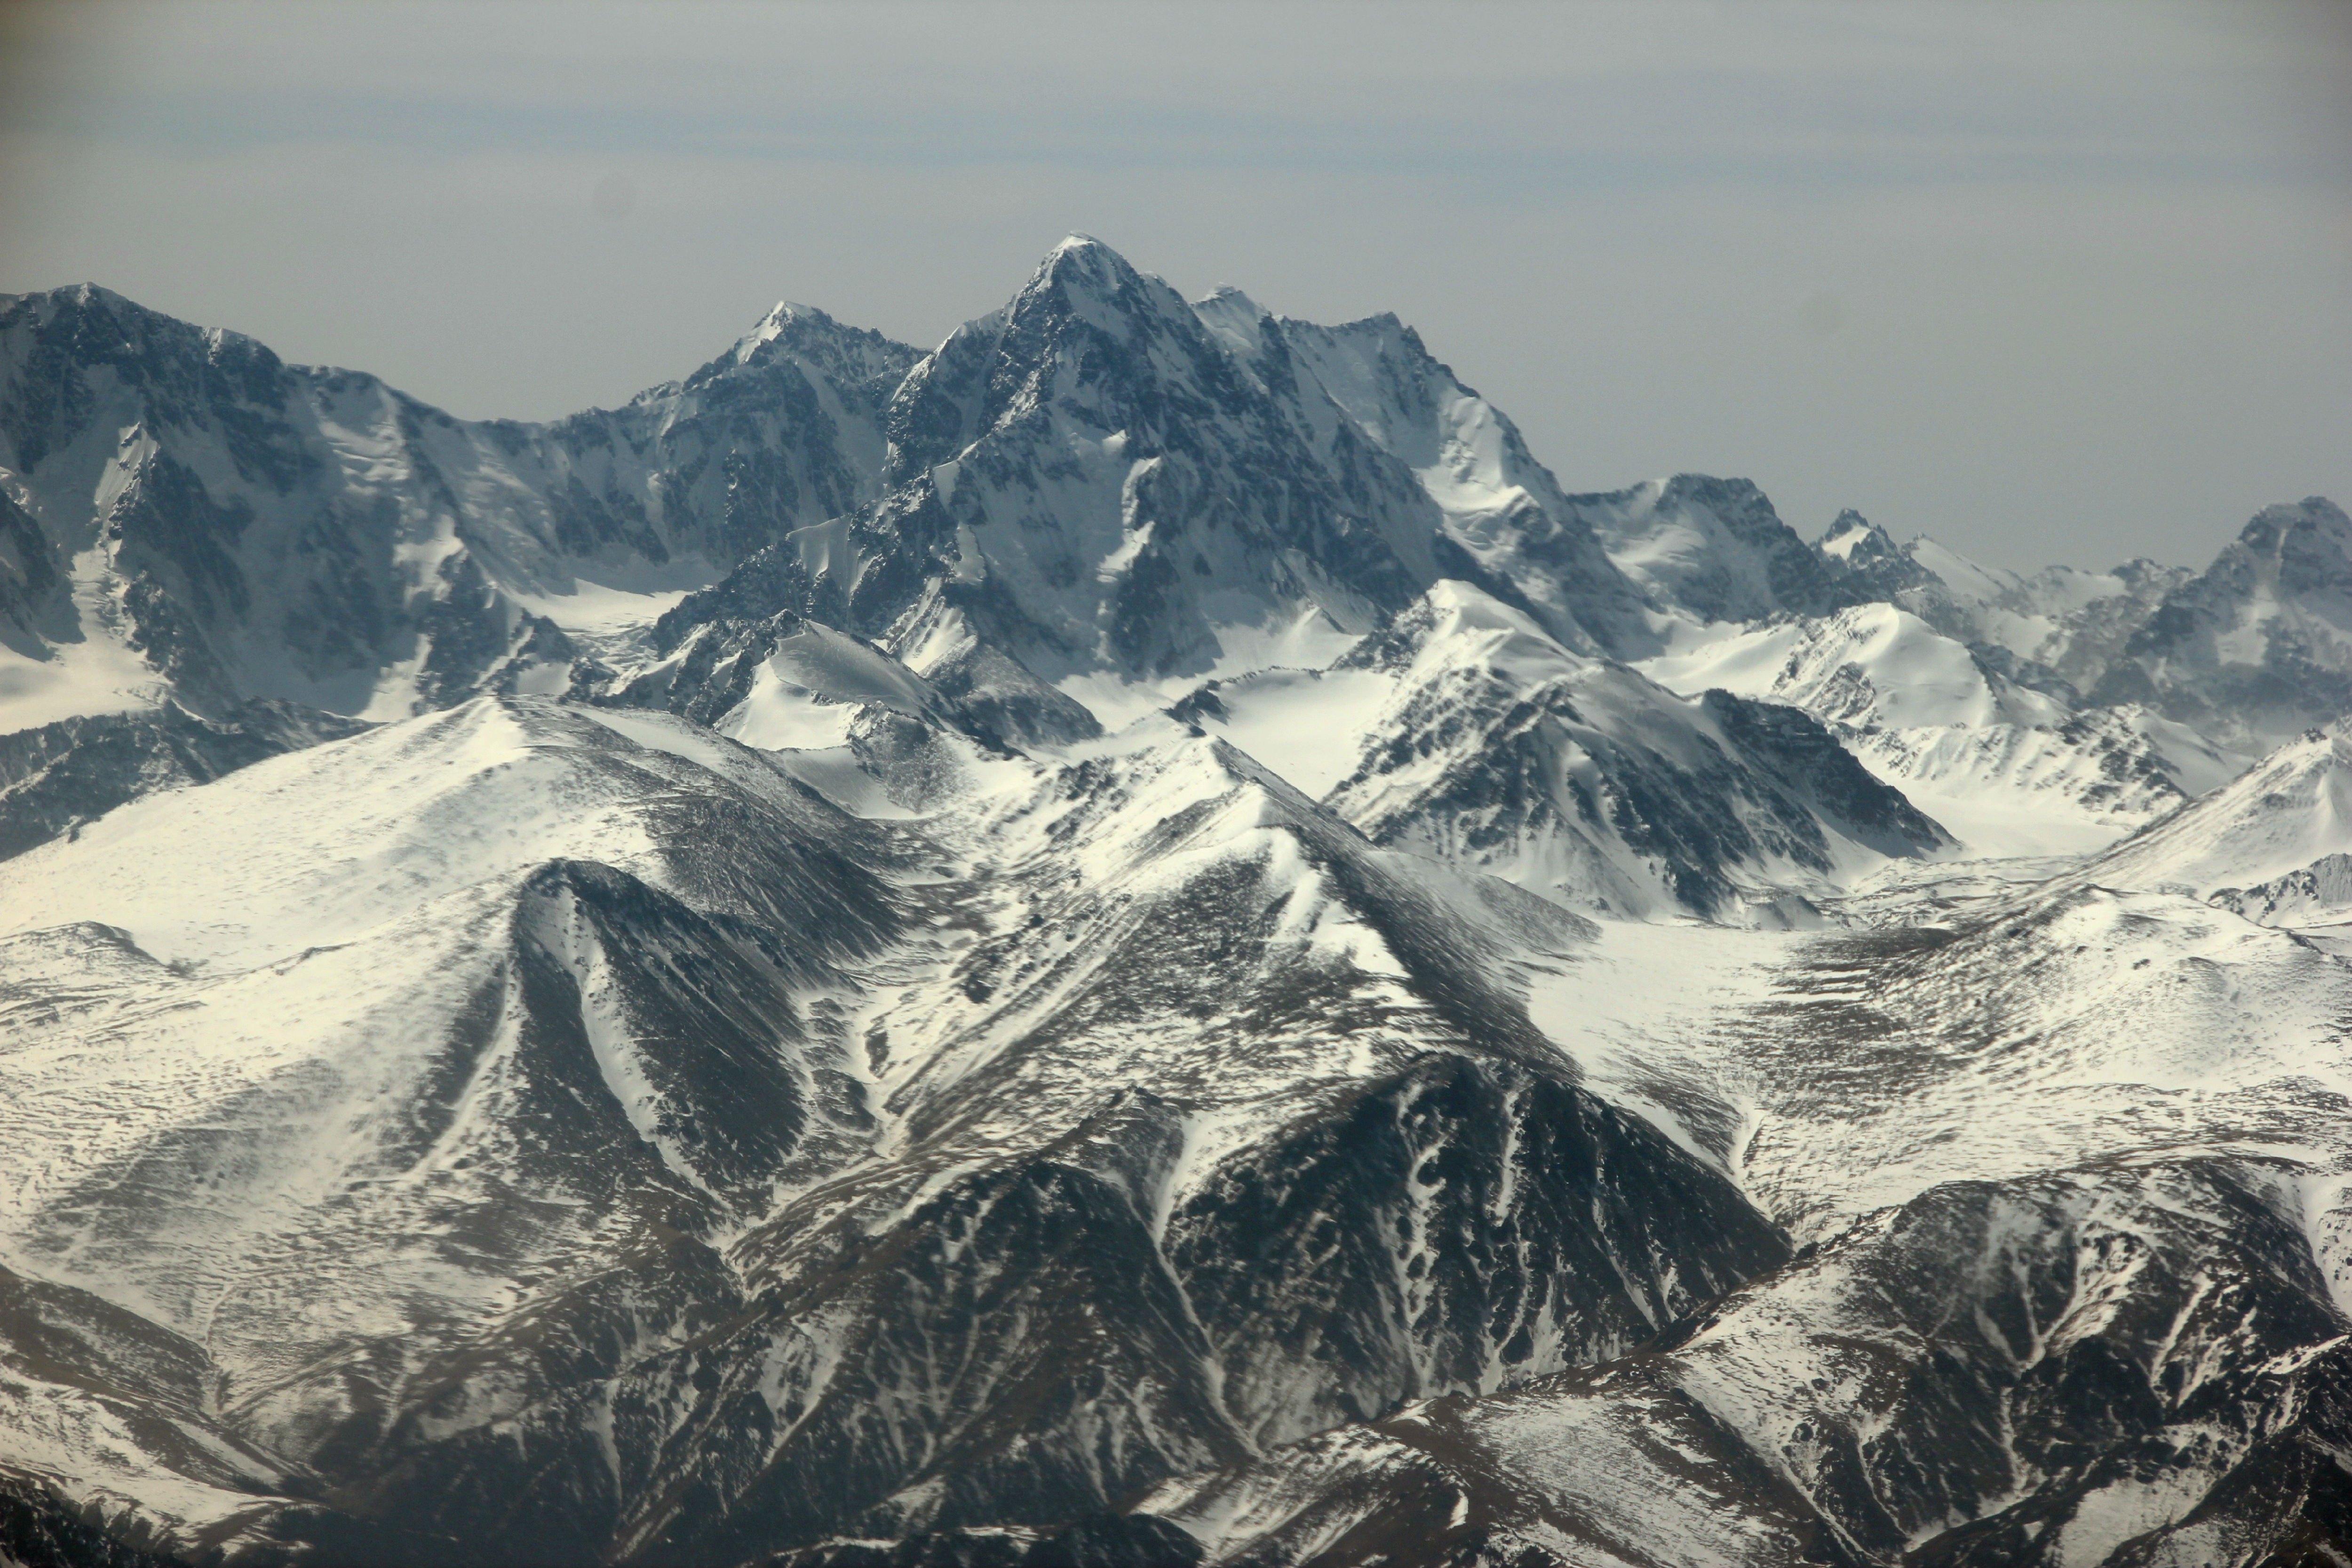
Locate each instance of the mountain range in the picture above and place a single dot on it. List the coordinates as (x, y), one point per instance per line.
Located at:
(1132, 941)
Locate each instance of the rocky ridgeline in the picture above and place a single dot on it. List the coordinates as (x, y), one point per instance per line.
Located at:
(1133, 941)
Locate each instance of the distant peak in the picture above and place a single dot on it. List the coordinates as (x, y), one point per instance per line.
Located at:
(2311, 512)
(85, 295)
(1234, 316)
(1081, 258)
(1853, 535)
(1084, 278)
(774, 324)
(2297, 527)
(1714, 493)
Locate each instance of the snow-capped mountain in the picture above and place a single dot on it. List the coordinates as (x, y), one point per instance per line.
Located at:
(2068, 1177)
(699, 1124)
(182, 515)
(1132, 941)
(2209, 667)
(2256, 647)
(1715, 550)
(1123, 494)
(1498, 748)
(2275, 845)
(2009, 768)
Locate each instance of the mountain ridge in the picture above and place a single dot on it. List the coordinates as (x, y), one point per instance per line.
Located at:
(1133, 939)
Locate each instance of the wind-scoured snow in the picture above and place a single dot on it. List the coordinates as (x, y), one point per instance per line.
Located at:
(2274, 844)
(1577, 777)
(2010, 769)
(1133, 941)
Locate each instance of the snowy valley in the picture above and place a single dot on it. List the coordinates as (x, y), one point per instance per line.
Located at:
(1132, 941)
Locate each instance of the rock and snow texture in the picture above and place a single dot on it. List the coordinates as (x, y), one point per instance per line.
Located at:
(1713, 549)
(183, 514)
(2275, 845)
(1499, 747)
(2260, 644)
(2009, 769)
(1122, 494)
(525, 1094)
(1133, 941)
(540, 1128)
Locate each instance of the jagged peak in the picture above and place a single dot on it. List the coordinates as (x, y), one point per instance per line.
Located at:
(1082, 256)
(1850, 527)
(97, 296)
(1687, 489)
(2288, 812)
(1234, 318)
(1855, 539)
(786, 312)
(1098, 284)
(1456, 615)
(2314, 515)
(781, 319)
(125, 319)
(1711, 490)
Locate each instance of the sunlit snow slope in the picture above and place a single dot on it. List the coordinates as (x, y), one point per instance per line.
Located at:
(1135, 940)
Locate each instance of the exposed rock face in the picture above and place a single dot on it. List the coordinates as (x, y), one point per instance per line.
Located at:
(672, 1265)
(1578, 778)
(1100, 477)
(2076, 1369)
(986, 958)
(1871, 557)
(1715, 549)
(53, 778)
(246, 529)
(2256, 647)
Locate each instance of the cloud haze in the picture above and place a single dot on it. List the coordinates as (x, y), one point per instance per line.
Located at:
(2052, 282)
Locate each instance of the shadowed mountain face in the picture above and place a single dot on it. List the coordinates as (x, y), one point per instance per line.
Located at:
(2260, 646)
(1082, 949)
(186, 512)
(735, 1197)
(1101, 479)
(58, 776)
(2076, 1369)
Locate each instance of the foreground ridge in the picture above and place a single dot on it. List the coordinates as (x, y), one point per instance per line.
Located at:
(1134, 940)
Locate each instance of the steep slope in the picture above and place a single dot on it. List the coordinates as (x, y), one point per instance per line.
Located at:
(556, 1134)
(55, 778)
(2071, 1180)
(2058, 628)
(2126, 1368)
(2246, 653)
(2274, 846)
(2010, 769)
(186, 515)
(1089, 481)
(2061, 621)
(1029, 1308)
(1714, 550)
(1493, 746)
(1931, 669)
(963, 939)
(331, 1069)
(2259, 646)
(1506, 525)
(1121, 494)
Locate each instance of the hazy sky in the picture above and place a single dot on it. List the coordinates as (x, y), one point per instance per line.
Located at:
(2049, 281)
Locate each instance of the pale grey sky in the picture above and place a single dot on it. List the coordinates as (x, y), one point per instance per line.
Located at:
(2049, 281)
